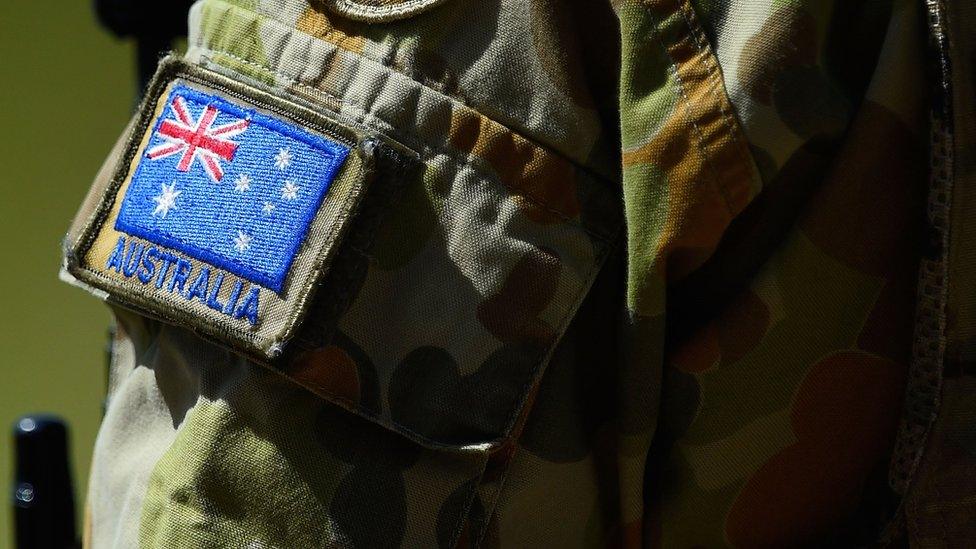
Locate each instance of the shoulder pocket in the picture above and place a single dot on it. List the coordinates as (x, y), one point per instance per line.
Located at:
(451, 280)
(449, 287)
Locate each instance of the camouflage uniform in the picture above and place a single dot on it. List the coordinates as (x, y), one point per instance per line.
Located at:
(654, 285)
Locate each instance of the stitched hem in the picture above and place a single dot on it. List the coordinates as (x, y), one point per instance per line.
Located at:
(731, 165)
(399, 9)
(925, 374)
(923, 392)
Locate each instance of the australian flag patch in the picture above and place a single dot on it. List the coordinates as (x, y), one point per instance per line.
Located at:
(228, 186)
(224, 209)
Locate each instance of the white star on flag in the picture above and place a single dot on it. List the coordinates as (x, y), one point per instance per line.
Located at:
(242, 242)
(268, 207)
(166, 199)
(289, 191)
(282, 159)
(243, 183)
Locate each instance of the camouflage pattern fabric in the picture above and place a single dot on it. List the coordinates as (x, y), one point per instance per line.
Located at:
(656, 286)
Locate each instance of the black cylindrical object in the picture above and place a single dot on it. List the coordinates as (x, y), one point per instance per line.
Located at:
(43, 500)
(154, 25)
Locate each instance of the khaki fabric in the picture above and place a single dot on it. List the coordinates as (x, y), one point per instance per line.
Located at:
(671, 276)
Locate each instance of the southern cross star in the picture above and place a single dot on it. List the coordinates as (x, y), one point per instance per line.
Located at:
(282, 159)
(166, 199)
(243, 241)
(289, 191)
(243, 183)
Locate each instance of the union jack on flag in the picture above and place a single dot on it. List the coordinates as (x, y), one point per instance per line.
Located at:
(197, 139)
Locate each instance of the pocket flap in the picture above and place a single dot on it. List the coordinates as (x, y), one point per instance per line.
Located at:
(448, 282)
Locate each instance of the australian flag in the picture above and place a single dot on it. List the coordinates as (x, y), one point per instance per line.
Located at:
(230, 186)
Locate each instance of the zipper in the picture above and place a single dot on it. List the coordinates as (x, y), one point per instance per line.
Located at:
(924, 383)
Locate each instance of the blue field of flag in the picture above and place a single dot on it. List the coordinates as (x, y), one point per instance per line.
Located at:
(229, 186)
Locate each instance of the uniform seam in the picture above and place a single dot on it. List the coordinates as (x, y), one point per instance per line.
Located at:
(464, 517)
(465, 160)
(699, 136)
(502, 481)
(382, 13)
(352, 407)
(539, 370)
(525, 405)
(401, 6)
(923, 394)
(713, 74)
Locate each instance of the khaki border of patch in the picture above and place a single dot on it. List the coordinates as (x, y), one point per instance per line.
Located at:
(299, 294)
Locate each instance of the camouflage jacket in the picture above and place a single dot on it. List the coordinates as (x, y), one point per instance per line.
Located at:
(629, 273)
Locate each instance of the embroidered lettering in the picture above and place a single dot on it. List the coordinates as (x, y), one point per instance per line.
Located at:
(181, 271)
(212, 301)
(115, 260)
(199, 288)
(234, 294)
(167, 259)
(249, 309)
(132, 257)
(150, 265)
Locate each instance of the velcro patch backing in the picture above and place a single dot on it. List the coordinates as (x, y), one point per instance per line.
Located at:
(224, 211)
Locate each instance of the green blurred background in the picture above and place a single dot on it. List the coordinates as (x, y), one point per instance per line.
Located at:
(66, 91)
